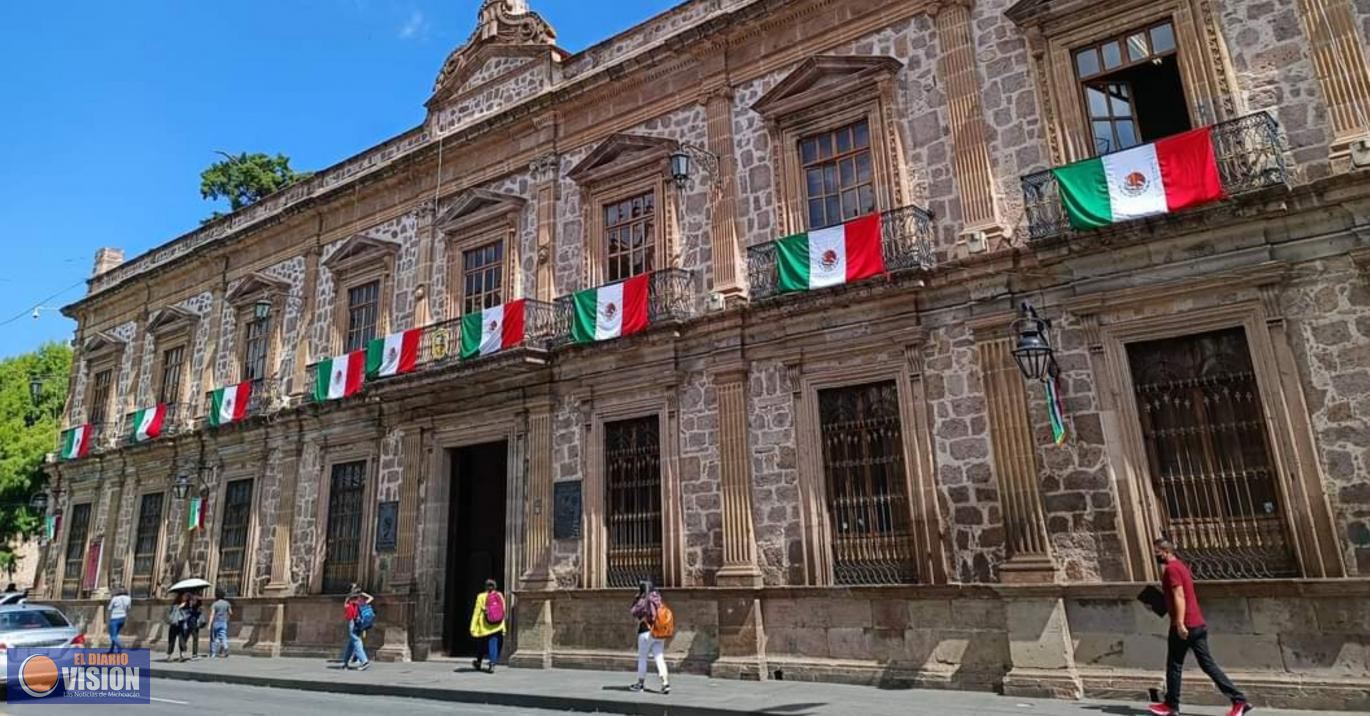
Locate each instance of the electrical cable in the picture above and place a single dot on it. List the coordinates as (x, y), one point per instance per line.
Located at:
(29, 310)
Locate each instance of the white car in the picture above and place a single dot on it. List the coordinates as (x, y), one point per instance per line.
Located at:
(34, 626)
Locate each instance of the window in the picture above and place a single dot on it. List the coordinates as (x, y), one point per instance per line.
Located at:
(30, 618)
(1204, 429)
(630, 236)
(863, 469)
(257, 340)
(482, 270)
(145, 543)
(173, 365)
(632, 460)
(363, 309)
(342, 547)
(1132, 88)
(73, 562)
(99, 396)
(837, 174)
(233, 536)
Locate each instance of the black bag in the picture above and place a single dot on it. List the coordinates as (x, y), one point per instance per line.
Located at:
(1154, 599)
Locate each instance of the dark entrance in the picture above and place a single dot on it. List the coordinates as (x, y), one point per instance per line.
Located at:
(475, 537)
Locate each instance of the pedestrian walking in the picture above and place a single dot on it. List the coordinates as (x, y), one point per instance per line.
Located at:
(357, 601)
(487, 625)
(190, 630)
(175, 619)
(1188, 632)
(118, 614)
(655, 624)
(219, 613)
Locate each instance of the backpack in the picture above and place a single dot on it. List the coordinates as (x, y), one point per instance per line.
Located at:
(494, 608)
(663, 627)
(366, 617)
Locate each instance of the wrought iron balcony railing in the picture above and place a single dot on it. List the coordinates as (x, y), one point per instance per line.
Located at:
(671, 296)
(170, 426)
(905, 242)
(260, 401)
(544, 325)
(1249, 152)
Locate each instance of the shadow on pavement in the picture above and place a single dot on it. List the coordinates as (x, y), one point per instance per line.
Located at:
(1115, 710)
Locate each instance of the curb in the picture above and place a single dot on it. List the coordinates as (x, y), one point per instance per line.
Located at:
(467, 696)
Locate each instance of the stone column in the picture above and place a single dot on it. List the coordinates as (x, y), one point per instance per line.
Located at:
(739, 537)
(729, 274)
(113, 499)
(426, 212)
(413, 460)
(1015, 462)
(304, 334)
(975, 181)
(544, 175)
(284, 519)
(1339, 60)
(538, 516)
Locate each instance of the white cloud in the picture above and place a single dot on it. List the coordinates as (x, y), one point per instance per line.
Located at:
(415, 26)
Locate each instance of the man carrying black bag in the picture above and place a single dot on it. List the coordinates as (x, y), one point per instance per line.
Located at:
(1187, 632)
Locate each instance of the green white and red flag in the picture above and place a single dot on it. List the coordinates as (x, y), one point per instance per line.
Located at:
(832, 256)
(147, 423)
(340, 376)
(1171, 174)
(228, 404)
(492, 330)
(395, 354)
(195, 514)
(611, 311)
(76, 442)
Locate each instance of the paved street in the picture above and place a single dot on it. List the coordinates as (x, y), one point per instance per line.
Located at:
(183, 697)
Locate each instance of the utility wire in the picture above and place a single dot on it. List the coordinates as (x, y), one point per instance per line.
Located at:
(26, 311)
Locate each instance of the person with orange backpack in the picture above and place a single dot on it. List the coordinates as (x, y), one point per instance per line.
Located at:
(487, 624)
(655, 624)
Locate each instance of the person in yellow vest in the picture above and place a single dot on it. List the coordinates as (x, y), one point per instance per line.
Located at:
(487, 625)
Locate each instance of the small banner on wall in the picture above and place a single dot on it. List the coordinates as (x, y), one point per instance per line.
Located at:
(195, 514)
(94, 554)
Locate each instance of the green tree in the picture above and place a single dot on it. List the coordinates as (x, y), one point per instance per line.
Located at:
(245, 178)
(28, 431)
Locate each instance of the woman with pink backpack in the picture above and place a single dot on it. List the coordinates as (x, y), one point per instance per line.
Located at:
(487, 624)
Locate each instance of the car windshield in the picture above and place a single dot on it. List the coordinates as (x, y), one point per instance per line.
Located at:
(21, 619)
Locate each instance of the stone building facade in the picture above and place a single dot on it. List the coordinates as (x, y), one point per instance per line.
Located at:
(853, 483)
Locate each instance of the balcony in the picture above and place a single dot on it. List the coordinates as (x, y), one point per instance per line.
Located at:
(261, 401)
(544, 325)
(170, 424)
(1250, 156)
(905, 241)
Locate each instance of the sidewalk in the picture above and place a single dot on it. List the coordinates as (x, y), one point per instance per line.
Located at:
(607, 692)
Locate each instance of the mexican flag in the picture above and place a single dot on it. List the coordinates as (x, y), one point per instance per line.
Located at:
(618, 309)
(229, 404)
(76, 442)
(831, 256)
(394, 354)
(195, 514)
(492, 330)
(51, 525)
(1169, 175)
(147, 423)
(339, 376)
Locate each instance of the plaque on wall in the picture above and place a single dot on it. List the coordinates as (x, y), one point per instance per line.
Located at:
(566, 510)
(387, 526)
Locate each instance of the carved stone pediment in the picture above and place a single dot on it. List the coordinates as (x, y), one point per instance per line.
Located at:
(170, 318)
(102, 342)
(1028, 13)
(358, 250)
(256, 283)
(478, 206)
(822, 78)
(505, 29)
(621, 153)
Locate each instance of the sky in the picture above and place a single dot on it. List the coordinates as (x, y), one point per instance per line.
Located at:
(110, 110)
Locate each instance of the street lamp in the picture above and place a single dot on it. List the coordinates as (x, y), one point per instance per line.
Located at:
(1033, 351)
(685, 158)
(680, 168)
(261, 310)
(39, 502)
(182, 487)
(35, 389)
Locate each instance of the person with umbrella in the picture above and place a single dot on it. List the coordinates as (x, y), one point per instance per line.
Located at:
(181, 616)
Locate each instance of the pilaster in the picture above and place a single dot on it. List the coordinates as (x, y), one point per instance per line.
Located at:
(969, 140)
(413, 461)
(544, 172)
(284, 521)
(728, 275)
(1339, 60)
(426, 211)
(538, 519)
(739, 538)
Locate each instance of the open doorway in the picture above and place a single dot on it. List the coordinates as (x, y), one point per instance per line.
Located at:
(475, 537)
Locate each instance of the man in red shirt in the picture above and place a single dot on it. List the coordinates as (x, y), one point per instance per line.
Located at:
(1187, 632)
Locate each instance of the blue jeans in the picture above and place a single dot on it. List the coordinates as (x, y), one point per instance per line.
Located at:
(353, 647)
(115, 626)
(492, 645)
(218, 639)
